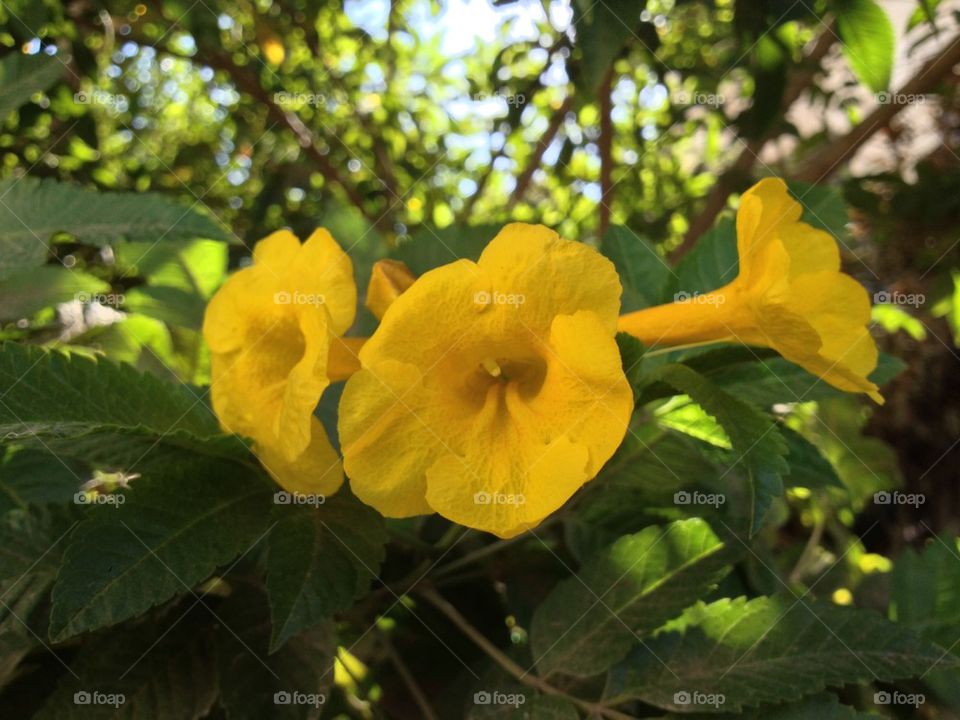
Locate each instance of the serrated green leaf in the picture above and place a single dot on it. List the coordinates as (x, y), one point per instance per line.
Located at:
(163, 669)
(21, 76)
(101, 411)
(172, 531)
(31, 211)
(320, 559)
(868, 40)
(644, 274)
(25, 294)
(250, 678)
(819, 707)
(589, 622)
(769, 649)
(754, 436)
(808, 467)
(712, 263)
(31, 478)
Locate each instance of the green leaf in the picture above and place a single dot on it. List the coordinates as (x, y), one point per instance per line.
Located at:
(32, 211)
(868, 40)
(34, 478)
(712, 263)
(320, 560)
(197, 267)
(754, 436)
(768, 649)
(603, 30)
(21, 76)
(808, 467)
(100, 411)
(25, 294)
(823, 207)
(589, 622)
(644, 274)
(171, 531)
(250, 678)
(925, 591)
(818, 707)
(431, 247)
(164, 669)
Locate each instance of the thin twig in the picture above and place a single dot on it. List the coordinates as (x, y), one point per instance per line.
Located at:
(524, 178)
(452, 614)
(404, 672)
(605, 146)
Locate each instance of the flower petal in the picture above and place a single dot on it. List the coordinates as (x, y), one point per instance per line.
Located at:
(317, 470)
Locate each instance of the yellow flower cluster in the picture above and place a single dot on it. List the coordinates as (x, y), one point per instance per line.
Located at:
(492, 391)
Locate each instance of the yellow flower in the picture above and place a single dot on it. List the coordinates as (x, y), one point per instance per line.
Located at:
(491, 391)
(789, 295)
(274, 334)
(389, 279)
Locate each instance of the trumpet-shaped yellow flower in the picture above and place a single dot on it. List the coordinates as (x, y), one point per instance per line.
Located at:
(389, 279)
(274, 334)
(491, 391)
(789, 295)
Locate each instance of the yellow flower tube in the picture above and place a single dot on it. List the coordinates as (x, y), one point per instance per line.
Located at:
(491, 391)
(789, 295)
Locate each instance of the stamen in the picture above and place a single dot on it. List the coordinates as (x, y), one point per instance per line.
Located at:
(491, 366)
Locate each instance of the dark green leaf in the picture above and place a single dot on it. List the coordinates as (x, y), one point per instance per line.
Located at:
(591, 621)
(644, 274)
(172, 531)
(713, 261)
(320, 559)
(768, 649)
(21, 76)
(25, 294)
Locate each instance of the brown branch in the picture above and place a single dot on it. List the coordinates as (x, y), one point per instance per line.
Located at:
(825, 161)
(605, 146)
(733, 177)
(524, 178)
(408, 679)
(452, 614)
